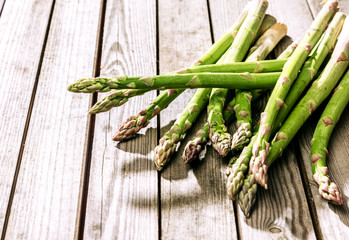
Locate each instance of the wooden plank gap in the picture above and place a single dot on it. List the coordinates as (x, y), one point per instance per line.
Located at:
(210, 21)
(85, 174)
(307, 190)
(2, 6)
(27, 122)
(311, 11)
(158, 123)
(237, 222)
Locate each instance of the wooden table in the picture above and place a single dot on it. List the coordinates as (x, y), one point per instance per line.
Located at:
(62, 176)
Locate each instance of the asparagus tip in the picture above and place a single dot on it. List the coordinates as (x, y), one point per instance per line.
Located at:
(328, 189)
(192, 150)
(260, 169)
(241, 137)
(130, 128)
(221, 142)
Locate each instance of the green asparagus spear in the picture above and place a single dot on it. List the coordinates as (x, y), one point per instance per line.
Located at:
(318, 92)
(288, 51)
(329, 118)
(236, 173)
(220, 138)
(168, 143)
(133, 124)
(179, 81)
(194, 148)
(247, 195)
(276, 100)
(238, 67)
(311, 67)
(115, 98)
(259, 51)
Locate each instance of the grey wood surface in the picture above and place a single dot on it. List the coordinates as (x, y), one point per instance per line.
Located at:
(122, 191)
(61, 175)
(21, 42)
(46, 200)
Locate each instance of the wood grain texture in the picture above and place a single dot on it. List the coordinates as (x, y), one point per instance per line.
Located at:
(45, 204)
(21, 41)
(333, 220)
(193, 199)
(281, 212)
(123, 194)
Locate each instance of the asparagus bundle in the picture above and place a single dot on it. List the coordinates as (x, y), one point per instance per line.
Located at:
(261, 49)
(322, 134)
(311, 66)
(195, 146)
(250, 79)
(276, 100)
(220, 138)
(247, 195)
(318, 92)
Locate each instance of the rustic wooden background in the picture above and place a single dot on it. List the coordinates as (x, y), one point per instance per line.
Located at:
(61, 175)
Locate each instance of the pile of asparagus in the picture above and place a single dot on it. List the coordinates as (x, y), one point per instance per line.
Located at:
(312, 68)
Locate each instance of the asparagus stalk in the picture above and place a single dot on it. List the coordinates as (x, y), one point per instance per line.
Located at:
(259, 51)
(115, 98)
(168, 143)
(236, 172)
(178, 82)
(311, 67)
(318, 92)
(329, 118)
(276, 100)
(238, 67)
(194, 148)
(220, 138)
(247, 195)
(288, 51)
(268, 22)
(133, 124)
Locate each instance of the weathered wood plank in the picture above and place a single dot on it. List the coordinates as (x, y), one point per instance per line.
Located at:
(123, 194)
(282, 211)
(21, 41)
(333, 220)
(193, 199)
(45, 204)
